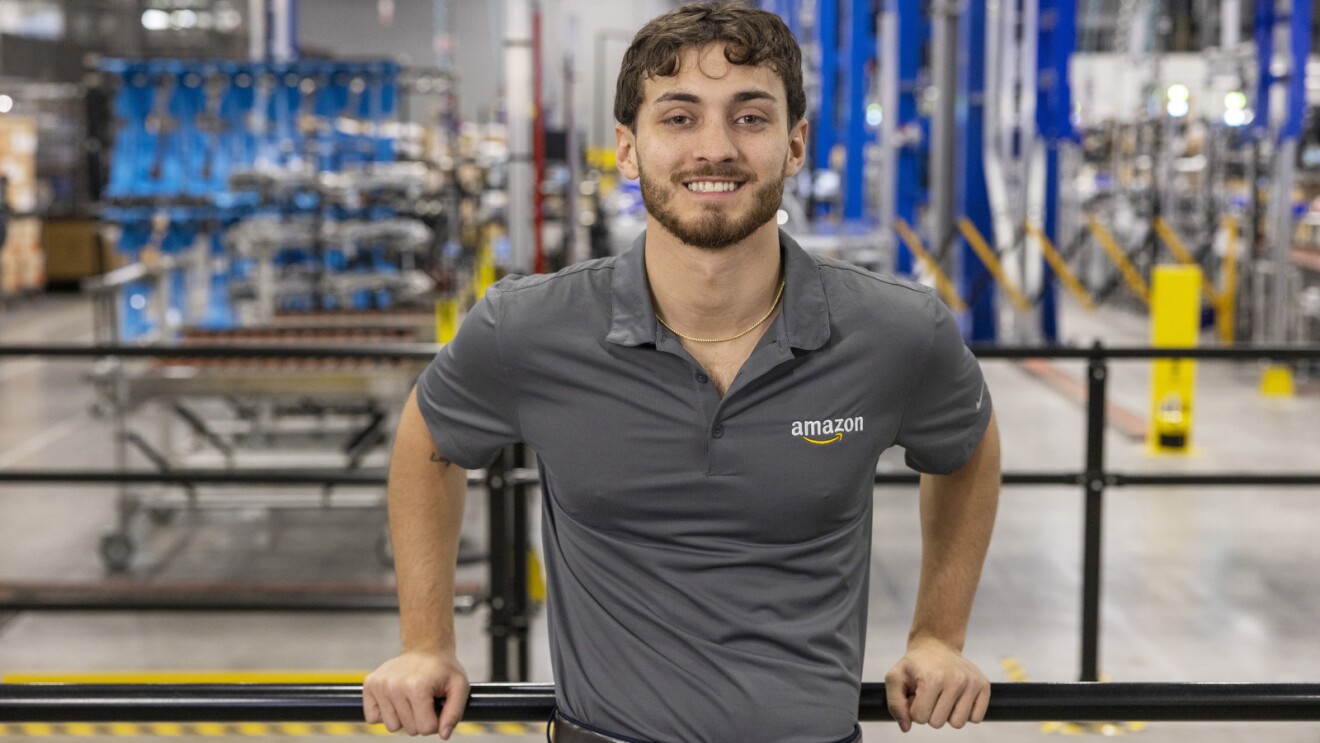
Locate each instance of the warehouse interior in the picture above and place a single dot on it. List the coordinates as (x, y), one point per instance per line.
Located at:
(184, 183)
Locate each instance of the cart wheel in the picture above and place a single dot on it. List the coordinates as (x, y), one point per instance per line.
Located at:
(385, 550)
(116, 552)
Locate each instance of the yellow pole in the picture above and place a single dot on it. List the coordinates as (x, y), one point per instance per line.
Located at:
(942, 283)
(987, 256)
(484, 271)
(1115, 253)
(1175, 245)
(1060, 266)
(1175, 322)
(1227, 304)
(446, 319)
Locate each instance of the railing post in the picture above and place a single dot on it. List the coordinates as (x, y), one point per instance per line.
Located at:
(520, 611)
(501, 579)
(1097, 374)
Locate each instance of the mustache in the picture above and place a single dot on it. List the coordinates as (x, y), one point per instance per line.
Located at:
(716, 171)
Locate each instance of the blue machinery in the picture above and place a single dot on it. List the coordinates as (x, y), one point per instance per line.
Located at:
(870, 65)
(189, 130)
(868, 84)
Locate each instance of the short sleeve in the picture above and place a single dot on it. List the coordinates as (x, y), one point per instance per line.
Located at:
(948, 408)
(467, 395)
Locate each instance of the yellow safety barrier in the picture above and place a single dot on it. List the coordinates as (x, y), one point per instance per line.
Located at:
(1060, 266)
(987, 256)
(1175, 246)
(942, 283)
(1226, 306)
(446, 320)
(1175, 322)
(1125, 267)
(484, 273)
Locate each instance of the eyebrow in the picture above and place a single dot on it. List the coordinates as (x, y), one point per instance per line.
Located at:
(740, 97)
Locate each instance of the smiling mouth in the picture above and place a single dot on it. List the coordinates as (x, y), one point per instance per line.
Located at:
(713, 186)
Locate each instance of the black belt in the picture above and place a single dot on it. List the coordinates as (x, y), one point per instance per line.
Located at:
(565, 730)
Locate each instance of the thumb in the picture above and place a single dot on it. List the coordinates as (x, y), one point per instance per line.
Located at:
(896, 692)
(456, 695)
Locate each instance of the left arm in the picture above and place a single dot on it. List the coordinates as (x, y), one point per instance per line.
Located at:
(933, 683)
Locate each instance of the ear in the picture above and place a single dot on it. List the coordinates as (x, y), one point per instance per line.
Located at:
(797, 149)
(625, 151)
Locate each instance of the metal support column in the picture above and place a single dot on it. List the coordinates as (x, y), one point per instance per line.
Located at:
(975, 282)
(1058, 39)
(827, 28)
(944, 129)
(861, 50)
(518, 118)
(912, 182)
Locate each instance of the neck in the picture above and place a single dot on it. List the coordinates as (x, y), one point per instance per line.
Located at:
(712, 293)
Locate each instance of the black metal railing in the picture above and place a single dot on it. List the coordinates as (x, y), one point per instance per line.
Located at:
(508, 482)
(1009, 702)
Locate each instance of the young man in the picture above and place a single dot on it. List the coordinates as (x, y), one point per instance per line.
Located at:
(707, 410)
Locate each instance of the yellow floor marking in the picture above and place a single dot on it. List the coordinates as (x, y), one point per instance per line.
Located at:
(511, 728)
(184, 677)
(210, 729)
(37, 729)
(253, 728)
(80, 729)
(469, 728)
(163, 729)
(340, 728)
(378, 730)
(295, 728)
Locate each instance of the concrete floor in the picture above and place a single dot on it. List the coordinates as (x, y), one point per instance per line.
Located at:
(1200, 584)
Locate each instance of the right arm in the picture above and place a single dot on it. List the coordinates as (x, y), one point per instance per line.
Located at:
(426, 495)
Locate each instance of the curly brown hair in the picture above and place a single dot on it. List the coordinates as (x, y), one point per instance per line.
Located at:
(750, 37)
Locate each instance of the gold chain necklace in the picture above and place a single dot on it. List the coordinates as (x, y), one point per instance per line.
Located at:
(755, 325)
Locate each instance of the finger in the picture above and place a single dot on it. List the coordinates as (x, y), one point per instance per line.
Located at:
(421, 700)
(387, 714)
(455, 702)
(982, 704)
(370, 710)
(950, 692)
(922, 706)
(962, 711)
(896, 692)
(398, 698)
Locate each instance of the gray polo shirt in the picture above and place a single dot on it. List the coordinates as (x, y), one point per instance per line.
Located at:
(707, 557)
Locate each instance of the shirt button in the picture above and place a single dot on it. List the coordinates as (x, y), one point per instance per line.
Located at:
(702, 378)
(717, 431)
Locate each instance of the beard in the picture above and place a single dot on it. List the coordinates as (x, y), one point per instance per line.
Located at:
(709, 227)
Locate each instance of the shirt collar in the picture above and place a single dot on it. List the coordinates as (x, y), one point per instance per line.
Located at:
(805, 314)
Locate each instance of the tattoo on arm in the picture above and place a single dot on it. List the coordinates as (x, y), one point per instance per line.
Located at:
(435, 457)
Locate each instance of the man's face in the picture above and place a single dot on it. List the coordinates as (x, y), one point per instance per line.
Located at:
(712, 148)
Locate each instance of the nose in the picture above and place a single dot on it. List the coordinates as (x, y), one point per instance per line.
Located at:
(715, 143)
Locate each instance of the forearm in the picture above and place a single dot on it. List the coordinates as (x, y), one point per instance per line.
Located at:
(426, 496)
(957, 517)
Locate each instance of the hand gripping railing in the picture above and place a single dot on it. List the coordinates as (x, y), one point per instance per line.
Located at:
(1009, 702)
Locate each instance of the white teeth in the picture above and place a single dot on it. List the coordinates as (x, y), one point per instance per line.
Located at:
(711, 186)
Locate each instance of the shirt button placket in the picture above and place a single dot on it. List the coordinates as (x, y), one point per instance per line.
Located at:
(717, 432)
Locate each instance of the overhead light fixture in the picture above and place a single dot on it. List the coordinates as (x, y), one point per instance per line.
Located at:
(6, 104)
(155, 19)
(875, 115)
(1178, 108)
(1179, 92)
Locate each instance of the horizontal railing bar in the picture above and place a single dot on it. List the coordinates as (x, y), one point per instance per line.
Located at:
(1240, 353)
(1275, 480)
(1009, 702)
(377, 477)
(373, 476)
(426, 351)
(410, 351)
